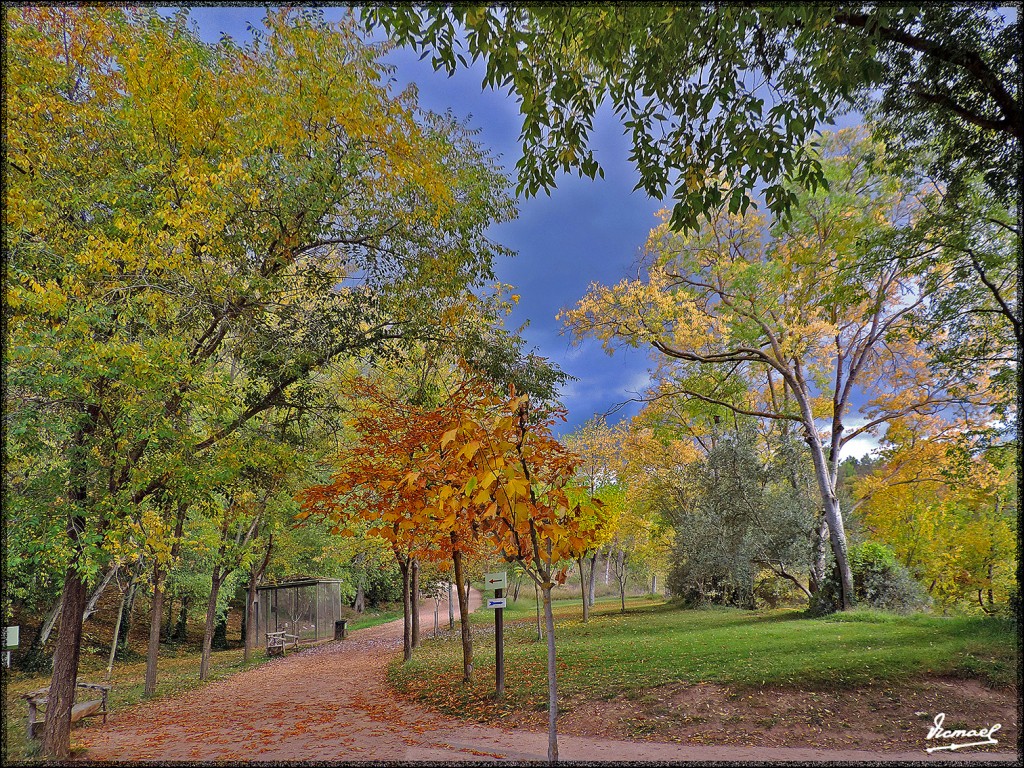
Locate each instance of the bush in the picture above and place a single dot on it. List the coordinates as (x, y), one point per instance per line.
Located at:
(698, 591)
(879, 581)
(775, 591)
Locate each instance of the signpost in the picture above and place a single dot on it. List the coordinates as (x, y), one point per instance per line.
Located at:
(498, 582)
(10, 642)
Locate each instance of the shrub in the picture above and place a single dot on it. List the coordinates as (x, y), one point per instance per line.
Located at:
(879, 581)
(775, 591)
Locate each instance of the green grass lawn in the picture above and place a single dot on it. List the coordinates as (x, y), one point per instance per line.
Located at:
(373, 618)
(655, 644)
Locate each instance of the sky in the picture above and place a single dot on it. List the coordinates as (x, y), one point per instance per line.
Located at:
(586, 231)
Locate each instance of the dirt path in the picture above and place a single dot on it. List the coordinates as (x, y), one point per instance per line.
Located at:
(332, 703)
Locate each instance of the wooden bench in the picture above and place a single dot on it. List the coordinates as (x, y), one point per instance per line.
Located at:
(278, 642)
(88, 708)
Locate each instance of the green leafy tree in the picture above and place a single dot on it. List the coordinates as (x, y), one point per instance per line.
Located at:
(177, 210)
(719, 97)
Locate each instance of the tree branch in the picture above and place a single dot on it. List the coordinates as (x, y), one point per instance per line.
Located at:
(970, 61)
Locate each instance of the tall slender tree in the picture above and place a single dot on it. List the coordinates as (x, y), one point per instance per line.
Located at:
(792, 324)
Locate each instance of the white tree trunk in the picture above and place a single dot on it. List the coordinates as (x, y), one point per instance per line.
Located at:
(549, 621)
(818, 559)
(834, 518)
(94, 598)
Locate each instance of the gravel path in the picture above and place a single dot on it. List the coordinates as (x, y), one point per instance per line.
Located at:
(332, 703)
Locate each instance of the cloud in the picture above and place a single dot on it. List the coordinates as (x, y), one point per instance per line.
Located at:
(859, 447)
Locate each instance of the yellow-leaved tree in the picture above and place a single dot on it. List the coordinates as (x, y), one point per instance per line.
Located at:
(193, 231)
(948, 514)
(792, 323)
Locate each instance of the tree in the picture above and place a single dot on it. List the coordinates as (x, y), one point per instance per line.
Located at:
(169, 201)
(380, 481)
(719, 97)
(737, 515)
(948, 513)
(786, 324)
(518, 476)
(599, 448)
(262, 473)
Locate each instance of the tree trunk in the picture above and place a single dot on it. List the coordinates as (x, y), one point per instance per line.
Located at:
(536, 597)
(57, 730)
(451, 608)
(415, 598)
(549, 621)
(360, 602)
(406, 610)
(117, 632)
(819, 537)
(607, 564)
(583, 590)
(156, 615)
(251, 617)
(126, 620)
(94, 598)
(467, 638)
(593, 578)
(837, 533)
(252, 627)
(216, 580)
(620, 576)
(49, 622)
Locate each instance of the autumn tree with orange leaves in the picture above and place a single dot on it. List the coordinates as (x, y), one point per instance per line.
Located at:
(518, 478)
(436, 483)
(380, 481)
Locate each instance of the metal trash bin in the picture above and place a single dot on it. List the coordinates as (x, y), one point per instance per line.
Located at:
(339, 629)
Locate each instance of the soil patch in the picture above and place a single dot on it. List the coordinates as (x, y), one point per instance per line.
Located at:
(871, 717)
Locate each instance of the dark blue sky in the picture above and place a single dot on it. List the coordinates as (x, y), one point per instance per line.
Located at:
(585, 231)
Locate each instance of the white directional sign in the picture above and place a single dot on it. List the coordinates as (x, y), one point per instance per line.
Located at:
(11, 641)
(496, 602)
(496, 580)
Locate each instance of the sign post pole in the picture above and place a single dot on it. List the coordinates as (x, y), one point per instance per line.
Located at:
(498, 582)
(499, 649)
